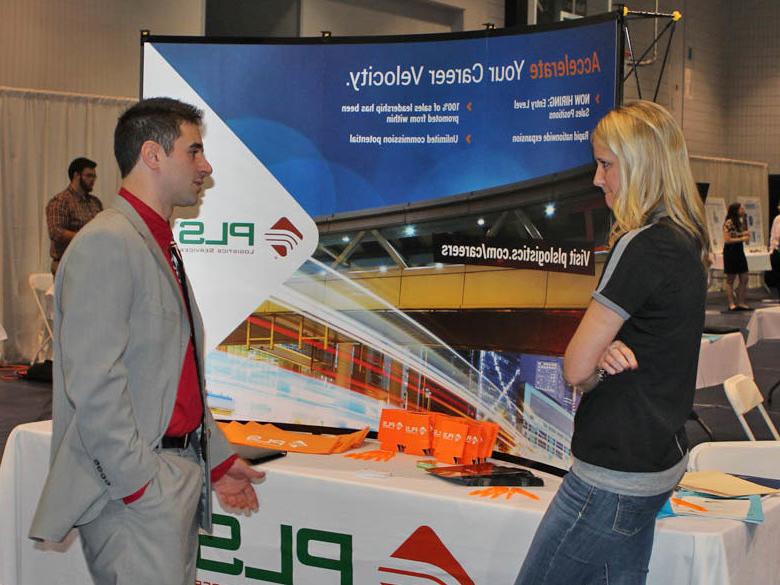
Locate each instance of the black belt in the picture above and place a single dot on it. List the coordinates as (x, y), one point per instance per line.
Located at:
(182, 442)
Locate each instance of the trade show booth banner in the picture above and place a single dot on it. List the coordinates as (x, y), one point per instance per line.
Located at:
(304, 131)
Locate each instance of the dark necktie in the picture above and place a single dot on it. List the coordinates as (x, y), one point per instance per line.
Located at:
(181, 276)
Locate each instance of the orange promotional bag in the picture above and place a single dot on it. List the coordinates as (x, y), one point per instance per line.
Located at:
(417, 434)
(449, 438)
(391, 428)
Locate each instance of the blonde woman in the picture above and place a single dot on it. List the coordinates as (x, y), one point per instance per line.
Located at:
(634, 356)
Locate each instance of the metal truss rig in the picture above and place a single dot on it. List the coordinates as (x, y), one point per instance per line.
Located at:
(674, 18)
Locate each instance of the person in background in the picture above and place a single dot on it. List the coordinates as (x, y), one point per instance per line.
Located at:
(633, 356)
(774, 250)
(735, 234)
(135, 449)
(774, 233)
(70, 210)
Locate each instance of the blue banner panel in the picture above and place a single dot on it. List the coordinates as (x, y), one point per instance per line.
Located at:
(348, 127)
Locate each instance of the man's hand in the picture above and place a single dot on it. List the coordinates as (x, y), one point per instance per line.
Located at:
(235, 490)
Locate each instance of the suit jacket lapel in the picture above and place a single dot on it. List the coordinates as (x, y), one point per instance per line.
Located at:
(140, 226)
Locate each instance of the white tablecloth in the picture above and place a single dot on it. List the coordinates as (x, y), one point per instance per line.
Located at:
(3, 334)
(757, 261)
(356, 515)
(720, 358)
(764, 324)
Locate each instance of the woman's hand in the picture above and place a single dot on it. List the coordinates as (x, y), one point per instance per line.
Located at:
(618, 357)
(597, 330)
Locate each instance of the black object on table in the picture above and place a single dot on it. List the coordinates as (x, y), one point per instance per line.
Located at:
(487, 474)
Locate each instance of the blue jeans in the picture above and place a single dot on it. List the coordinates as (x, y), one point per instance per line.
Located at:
(591, 536)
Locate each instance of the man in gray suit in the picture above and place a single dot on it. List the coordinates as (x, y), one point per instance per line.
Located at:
(134, 449)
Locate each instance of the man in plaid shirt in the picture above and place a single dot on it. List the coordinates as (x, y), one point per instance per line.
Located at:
(70, 210)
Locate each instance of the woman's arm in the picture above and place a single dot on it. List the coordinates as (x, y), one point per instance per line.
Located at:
(730, 236)
(593, 348)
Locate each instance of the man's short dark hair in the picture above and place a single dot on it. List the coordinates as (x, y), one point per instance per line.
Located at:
(156, 119)
(78, 165)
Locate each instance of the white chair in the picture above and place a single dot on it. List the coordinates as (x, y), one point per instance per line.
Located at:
(757, 458)
(40, 284)
(744, 396)
(3, 337)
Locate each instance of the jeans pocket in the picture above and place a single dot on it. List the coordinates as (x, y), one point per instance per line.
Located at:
(633, 513)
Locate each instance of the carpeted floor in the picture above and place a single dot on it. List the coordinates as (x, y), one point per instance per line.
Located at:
(22, 401)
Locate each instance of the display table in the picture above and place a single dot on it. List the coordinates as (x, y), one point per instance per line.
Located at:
(721, 357)
(757, 261)
(334, 520)
(764, 324)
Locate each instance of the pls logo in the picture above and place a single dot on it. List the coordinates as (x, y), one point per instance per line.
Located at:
(424, 546)
(283, 237)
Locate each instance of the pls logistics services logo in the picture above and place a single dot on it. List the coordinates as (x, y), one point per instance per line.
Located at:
(236, 237)
(283, 237)
(421, 558)
(426, 548)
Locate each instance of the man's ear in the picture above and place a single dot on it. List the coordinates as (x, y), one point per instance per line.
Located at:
(151, 154)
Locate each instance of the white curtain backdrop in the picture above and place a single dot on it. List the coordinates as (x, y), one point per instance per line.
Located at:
(40, 133)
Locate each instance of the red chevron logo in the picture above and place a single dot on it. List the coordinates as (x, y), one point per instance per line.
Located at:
(425, 546)
(283, 236)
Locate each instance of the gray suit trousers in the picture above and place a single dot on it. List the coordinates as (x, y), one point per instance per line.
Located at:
(155, 538)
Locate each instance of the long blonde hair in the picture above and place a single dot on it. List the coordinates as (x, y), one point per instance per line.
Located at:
(655, 173)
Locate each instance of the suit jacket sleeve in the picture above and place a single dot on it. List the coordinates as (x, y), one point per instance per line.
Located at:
(219, 447)
(97, 304)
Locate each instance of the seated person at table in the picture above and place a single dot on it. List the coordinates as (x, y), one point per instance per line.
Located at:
(634, 356)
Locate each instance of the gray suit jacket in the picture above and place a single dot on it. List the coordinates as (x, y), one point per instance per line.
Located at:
(120, 335)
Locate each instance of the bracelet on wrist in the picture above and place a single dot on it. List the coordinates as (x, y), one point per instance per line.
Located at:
(601, 374)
